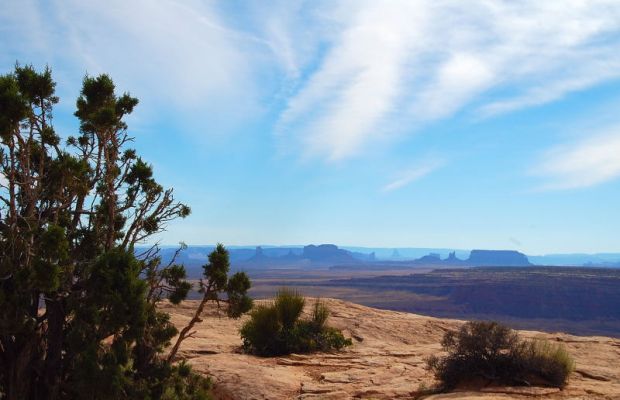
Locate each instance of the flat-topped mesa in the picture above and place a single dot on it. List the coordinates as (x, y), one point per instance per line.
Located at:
(328, 253)
(432, 258)
(498, 258)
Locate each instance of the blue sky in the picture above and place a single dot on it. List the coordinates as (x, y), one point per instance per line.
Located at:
(479, 124)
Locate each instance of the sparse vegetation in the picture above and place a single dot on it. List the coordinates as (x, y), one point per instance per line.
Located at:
(548, 361)
(216, 281)
(276, 329)
(181, 383)
(492, 353)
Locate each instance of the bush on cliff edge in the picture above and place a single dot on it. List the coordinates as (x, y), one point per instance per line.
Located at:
(277, 329)
(494, 353)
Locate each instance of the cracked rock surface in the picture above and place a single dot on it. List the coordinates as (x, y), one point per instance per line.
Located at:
(386, 360)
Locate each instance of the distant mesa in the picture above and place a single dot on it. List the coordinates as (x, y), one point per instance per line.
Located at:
(328, 253)
(331, 255)
(498, 258)
(432, 258)
(259, 256)
(479, 258)
(308, 256)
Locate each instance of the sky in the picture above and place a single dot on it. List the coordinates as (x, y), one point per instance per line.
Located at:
(478, 124)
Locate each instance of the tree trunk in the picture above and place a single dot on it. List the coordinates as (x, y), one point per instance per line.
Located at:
(20, 377)
(185, 332)
(53, 359)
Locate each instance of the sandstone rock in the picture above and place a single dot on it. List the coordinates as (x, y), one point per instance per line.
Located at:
(387, 364)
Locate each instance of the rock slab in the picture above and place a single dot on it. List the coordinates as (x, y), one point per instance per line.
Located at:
(386, 360)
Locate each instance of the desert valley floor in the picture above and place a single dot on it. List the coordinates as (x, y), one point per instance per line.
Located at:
(386, 360)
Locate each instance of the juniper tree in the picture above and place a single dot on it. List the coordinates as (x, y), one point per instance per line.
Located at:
(215, 281)
(78, 315)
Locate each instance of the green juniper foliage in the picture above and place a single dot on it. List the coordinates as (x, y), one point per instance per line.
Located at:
(78, 315)
(278, 329)
(215, 280)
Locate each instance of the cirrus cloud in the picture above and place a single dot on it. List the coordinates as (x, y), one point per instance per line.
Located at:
(337, 75)
(410, 175)
(394, 66)
(587, 162)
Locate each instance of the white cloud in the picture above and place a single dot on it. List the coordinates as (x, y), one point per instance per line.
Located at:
(346, 74)
(587, 162)
(177, 57)
(413, 174)
(578, 78)
(355, 86)
(461, 77)
(399, 64)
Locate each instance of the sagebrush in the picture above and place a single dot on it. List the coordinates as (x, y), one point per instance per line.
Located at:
(277, 329)
(493, 353)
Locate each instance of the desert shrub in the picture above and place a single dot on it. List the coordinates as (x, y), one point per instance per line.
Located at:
(277, 329)
(289, 305)
(492, 352)
(320, 313)
(262, 333)
(548, 361)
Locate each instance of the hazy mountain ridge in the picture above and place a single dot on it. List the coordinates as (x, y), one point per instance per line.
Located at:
(330, 255)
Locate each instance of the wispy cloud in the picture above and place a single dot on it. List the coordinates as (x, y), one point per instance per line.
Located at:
(399, 64)
(413, 174)
(177, 57)
(355, 86)
(587, 162)
(339, 75)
